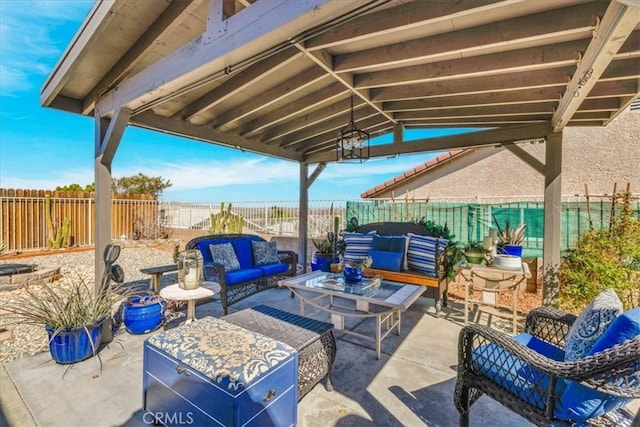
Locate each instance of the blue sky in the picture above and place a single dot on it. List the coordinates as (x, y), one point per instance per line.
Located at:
(42, 148)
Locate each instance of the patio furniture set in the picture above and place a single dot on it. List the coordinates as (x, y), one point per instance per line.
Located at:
(251, 367)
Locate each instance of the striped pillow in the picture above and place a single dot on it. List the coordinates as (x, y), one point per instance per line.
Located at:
(357, 246)
(421, 253)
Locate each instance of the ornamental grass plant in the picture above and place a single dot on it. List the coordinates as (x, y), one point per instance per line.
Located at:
(68, 303)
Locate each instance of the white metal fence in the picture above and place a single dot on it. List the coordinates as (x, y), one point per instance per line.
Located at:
(270, 217)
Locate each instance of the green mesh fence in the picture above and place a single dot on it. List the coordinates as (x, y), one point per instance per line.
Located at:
(471, 221)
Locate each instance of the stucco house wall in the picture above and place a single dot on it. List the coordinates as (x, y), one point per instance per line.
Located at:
(598, 157)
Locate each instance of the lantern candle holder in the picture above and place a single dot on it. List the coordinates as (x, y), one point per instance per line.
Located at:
(190, 269)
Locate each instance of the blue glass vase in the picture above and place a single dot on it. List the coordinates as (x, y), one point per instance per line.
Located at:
(352, 274)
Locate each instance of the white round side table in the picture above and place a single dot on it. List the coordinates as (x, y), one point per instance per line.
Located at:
(176, 293)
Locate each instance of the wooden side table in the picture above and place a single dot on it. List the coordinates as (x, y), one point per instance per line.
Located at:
(176, 293)
(492, 281)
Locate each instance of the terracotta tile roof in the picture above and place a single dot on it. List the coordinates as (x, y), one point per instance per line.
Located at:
(411, 173)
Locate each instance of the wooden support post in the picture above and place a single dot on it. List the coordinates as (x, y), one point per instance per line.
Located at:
(303, 216)
(108, 133)
(552, 213)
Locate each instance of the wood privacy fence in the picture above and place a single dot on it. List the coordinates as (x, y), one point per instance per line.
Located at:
(23, 223)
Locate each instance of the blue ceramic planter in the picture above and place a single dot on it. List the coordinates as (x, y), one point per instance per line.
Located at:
(515, 250)
(352, 274)
(74, 345)
(142, 315)
(321, 262)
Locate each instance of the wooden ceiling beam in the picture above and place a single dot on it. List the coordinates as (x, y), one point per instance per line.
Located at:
(149, 120)
(194, 63)
(600, 104)
(513, 81)
(542, 26)
(468, 140)
(622, 69)
(238, 82)
(332, 125)
(519, 96)
(229, 120)
(614, 28)
(485, 111)
(402, 18)
(615, 88)
(493, 121)
(555, 55)
(334, 109)
(166, 23)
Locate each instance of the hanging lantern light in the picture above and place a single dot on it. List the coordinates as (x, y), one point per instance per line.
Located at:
(352, 144)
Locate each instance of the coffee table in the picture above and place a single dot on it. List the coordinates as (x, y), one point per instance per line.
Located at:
(374, 298)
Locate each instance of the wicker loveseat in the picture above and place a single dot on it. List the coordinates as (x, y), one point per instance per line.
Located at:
(251, 276)
(528, 374)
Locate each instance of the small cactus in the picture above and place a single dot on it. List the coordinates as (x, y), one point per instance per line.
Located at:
(226, 222)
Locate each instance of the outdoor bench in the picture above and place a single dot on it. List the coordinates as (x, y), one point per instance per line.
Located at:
(436, 283)
(313, 339)
(236, 267)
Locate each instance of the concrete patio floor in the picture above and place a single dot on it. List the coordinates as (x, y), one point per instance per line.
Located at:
(411, 385)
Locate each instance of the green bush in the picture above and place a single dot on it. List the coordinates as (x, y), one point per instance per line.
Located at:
(602, 259)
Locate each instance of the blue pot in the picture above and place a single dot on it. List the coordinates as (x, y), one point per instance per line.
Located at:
(142, 315)
(352, 274)
(74, 345)
(515, 250)
(321, 262)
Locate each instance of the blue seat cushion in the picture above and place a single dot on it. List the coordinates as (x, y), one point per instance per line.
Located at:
(580, 403)
(386, 260)
(244, 275)
(505, 369)
(269, 269)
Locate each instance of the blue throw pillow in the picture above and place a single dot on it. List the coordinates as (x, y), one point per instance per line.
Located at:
(591, 324)
(423, 253)
(357, 246)
(386, 260)
(581, 403)
(264, 252)
(224, 254)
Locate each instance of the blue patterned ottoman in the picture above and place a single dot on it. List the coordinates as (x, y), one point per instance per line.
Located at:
(212, 372)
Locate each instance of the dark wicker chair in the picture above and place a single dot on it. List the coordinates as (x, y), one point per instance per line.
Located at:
(615, 371)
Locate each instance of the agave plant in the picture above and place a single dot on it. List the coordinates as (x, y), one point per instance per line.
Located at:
(511, 236)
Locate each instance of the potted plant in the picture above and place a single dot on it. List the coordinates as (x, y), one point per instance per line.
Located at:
(474, 253)
(72, 314)
(353, 270)
(326, 249)
(510, 239)
(324, 256)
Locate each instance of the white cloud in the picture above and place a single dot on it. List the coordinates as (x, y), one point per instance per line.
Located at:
(53, 179)
(27, 42)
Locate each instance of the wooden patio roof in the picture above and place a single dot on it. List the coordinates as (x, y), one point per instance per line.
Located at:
(275, 76)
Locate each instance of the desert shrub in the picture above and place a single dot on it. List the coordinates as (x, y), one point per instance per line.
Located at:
(604, 258)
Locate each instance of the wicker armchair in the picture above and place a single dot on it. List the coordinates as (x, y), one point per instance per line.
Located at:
(528, 382)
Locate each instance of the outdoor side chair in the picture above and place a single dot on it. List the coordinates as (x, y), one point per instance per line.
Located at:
(528, 374)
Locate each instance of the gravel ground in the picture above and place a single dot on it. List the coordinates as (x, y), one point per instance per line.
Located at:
(29, 339)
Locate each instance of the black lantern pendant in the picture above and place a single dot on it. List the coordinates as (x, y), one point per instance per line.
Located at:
(352, 144)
